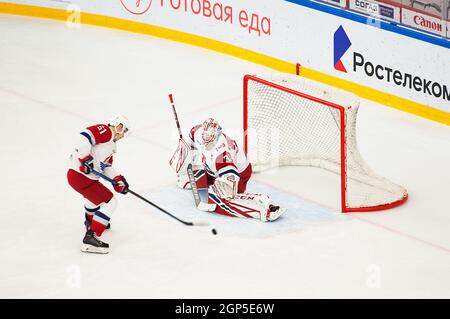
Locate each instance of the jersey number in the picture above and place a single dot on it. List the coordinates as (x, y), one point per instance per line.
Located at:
(101, 129)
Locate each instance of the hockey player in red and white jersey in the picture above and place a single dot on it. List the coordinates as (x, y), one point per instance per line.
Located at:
(225, 170)
(94, 150)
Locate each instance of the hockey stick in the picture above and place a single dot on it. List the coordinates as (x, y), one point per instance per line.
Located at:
(113, 182)
(198, 203)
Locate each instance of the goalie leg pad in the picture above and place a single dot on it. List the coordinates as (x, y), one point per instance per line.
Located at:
(245, 206)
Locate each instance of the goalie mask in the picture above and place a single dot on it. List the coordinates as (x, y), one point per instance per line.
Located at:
(211, 132)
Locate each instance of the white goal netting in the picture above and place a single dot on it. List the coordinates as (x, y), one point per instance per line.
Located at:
(293, 121)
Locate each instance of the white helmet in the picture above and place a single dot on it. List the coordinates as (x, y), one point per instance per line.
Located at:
(211, 132)
(120, 119)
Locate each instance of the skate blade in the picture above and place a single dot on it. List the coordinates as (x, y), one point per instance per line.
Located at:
(95, 250)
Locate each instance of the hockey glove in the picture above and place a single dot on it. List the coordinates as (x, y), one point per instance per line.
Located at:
(121, 186)
(226, 186)
(86, 164)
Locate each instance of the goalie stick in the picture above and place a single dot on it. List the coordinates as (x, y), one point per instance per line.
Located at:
(198, 203)
(113, 182)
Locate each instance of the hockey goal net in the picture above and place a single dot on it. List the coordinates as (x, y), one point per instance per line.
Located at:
(291, 121)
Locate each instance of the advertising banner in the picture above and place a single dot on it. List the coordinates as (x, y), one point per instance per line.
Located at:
(376, 9)
(340, 3)
(333, 47)
(424, 22)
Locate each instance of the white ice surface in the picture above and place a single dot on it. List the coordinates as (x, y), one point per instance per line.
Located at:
(54, 81)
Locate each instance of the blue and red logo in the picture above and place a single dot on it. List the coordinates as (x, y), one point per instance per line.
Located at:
(341, 45)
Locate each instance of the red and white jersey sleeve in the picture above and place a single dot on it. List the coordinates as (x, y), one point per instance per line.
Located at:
(97, 141)
(225, 158)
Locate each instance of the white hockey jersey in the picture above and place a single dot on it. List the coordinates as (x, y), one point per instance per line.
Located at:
(224, 158)
(98, 141)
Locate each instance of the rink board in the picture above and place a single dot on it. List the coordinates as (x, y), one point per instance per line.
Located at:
(284, 45)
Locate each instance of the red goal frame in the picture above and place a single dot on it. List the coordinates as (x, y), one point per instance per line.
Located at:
(343, 146)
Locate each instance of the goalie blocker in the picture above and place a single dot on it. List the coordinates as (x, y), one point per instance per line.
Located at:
(221, 167)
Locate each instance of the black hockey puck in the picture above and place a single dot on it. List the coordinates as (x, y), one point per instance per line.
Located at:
(214, 231)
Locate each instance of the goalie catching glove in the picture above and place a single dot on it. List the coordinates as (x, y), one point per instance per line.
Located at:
(226, 186)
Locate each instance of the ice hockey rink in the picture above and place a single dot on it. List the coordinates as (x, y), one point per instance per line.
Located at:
(56, 80)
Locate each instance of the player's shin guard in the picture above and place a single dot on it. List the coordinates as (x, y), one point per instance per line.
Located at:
(90, 210)
(102, 216)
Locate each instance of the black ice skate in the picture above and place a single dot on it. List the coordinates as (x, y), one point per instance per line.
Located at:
(273, 208)
(87, 224)
(91, 244)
